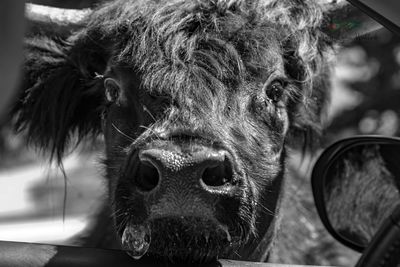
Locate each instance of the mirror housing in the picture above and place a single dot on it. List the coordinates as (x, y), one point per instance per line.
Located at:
(355, 183)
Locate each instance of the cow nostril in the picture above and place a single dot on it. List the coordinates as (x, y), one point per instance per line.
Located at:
(147, 176)
(218, 175)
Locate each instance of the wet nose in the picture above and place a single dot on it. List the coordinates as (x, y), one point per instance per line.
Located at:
(203, 167)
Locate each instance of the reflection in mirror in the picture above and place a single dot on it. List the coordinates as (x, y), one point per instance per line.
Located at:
(362, 189)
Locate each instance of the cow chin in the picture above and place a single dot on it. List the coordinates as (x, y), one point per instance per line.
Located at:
(189, 239)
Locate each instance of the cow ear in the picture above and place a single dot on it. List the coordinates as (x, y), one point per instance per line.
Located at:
(61, 99)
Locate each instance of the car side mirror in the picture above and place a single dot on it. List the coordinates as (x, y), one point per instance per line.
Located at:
(356, 187)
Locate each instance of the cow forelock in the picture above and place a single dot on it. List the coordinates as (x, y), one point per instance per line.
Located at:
(204, 44)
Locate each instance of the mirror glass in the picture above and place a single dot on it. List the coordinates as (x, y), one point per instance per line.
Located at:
(361, 189)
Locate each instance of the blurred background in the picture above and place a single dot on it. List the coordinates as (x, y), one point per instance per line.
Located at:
(39, 204)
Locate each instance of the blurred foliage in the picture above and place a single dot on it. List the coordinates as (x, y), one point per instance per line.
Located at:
(13, 150)
(368, 75)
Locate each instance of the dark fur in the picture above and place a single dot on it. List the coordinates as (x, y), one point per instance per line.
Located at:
(210, 61)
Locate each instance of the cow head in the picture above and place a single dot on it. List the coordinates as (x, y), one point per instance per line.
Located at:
(197, 101)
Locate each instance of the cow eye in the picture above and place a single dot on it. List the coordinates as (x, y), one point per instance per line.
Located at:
(112, 90)
(274, 91)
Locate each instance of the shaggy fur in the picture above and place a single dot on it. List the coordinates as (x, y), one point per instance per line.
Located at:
(203, 68)
(121, 31)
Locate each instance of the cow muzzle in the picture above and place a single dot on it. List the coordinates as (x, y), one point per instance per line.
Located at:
(184, 179)
(205, 167)
(188, 193)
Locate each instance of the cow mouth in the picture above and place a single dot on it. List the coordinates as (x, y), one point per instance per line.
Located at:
(180, 239)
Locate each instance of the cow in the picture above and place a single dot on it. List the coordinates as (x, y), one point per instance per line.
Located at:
(198, 102)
